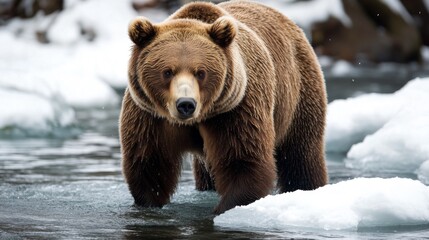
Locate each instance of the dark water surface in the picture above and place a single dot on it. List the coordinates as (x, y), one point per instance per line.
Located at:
(73, 189)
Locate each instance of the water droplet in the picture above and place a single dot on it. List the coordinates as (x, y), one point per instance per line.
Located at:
(157, 193)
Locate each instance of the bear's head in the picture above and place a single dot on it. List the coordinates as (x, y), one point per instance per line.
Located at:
(184, 70)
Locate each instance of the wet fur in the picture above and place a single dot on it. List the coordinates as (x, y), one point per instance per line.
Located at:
(264, 120)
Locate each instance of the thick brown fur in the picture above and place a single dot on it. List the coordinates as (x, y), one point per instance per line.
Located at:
(261, 105)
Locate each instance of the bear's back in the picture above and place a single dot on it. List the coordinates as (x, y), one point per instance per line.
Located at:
(294, 61)
(285, 41)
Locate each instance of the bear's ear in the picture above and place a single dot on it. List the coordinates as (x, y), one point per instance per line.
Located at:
(141, 31)
(223, 31)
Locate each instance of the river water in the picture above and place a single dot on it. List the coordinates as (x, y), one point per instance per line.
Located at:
(72, 188)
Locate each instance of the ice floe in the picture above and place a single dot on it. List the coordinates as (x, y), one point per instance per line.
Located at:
(348, 205)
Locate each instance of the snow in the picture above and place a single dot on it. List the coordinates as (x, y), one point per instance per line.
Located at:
(48, 70)
(341, 68)
(29, 114)
(402, 144)
(425, 53)
(304, 13)
(41, 85)
(108, 18)
(49, 81)
(385, 131)
(349, 121)
(423, 172)
(348, 205)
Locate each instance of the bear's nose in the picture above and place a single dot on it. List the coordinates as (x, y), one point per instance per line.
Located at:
(186, 107)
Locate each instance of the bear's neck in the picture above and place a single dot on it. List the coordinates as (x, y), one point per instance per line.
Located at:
(235, 83)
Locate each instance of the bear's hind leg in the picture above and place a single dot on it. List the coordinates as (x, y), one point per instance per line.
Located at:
(203, 180)
(300, 157)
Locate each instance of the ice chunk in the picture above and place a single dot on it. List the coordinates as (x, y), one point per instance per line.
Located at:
(423, 172)
(402, 143)
(350, 121)
(29, 114)
(348, 205)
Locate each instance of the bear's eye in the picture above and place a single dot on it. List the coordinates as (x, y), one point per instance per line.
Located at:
(200, 75)
(167, 74)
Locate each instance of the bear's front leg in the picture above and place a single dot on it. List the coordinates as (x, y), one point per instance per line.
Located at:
(150, 162)
(240, 153)
(151, 178)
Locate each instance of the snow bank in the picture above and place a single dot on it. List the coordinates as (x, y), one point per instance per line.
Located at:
(401, 141)
(47, 81)
(29, 114)
(350, 121)
(90, 68)
(53, 70)
(109, 20)
(109, 54)
(307, 12)
(401, 144)
(348, 205)
(341, 68)
(423, 172)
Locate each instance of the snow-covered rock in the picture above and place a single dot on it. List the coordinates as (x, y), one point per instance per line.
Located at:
(347, 205)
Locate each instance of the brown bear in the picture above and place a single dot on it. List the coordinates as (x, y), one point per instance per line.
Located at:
(235, 84)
